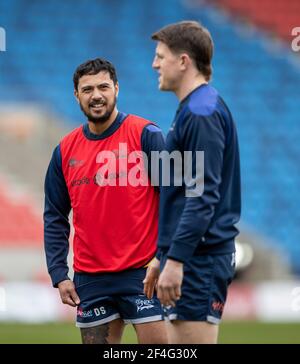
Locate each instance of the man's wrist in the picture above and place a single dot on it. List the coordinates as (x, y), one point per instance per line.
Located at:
(174, 263)
(63, 280)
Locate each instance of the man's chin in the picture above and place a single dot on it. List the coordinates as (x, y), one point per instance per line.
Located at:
(163, 87)
(98, 118)
(97, 115)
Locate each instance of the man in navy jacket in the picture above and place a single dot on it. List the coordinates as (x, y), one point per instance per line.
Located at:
(196, 224)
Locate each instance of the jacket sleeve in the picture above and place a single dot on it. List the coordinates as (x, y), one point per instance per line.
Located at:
(202, 134)
(153, 140)
(56, 220)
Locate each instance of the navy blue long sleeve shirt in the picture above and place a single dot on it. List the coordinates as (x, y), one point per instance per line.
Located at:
(57, 201)
(204, 223)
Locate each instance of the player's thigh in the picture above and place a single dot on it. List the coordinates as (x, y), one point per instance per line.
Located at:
(204, 290)
(146, 317)
(97, 315)
(192, 332)
(151, 332)
(108, 333)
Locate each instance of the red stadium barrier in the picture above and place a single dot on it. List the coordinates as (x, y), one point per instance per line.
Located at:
(278, 17)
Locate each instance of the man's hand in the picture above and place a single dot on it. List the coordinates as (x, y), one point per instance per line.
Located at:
(151, 278)
(169, 283)
(67, 293)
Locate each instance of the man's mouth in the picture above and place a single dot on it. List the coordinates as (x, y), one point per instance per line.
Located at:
(97, 105)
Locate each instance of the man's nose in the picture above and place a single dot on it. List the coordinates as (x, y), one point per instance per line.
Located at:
(155, 63)
(96, 94)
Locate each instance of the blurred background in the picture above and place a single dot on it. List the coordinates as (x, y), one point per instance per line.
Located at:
(258, 75)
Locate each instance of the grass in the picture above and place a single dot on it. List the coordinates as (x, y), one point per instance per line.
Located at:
(259, 333)
(230, 333)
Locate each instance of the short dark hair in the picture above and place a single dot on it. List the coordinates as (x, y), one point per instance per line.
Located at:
(190, 37)
(92, 67)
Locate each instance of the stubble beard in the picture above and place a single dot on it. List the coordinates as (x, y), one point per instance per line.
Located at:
(100, 119)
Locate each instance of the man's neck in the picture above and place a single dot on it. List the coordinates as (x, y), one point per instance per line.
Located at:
(99, 128)
(188, 84)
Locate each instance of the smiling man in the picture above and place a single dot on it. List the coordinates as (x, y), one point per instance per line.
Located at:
(115, 221)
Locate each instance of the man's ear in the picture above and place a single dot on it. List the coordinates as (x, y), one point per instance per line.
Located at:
(185, 61)
(117, 89)
(76, 95)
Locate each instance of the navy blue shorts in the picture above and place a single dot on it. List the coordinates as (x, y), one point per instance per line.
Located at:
(204, 288)
(106, 297)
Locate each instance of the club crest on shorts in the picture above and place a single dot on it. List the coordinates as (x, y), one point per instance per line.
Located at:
(143, 304)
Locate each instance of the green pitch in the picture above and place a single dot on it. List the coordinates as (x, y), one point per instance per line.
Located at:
(230, 333)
